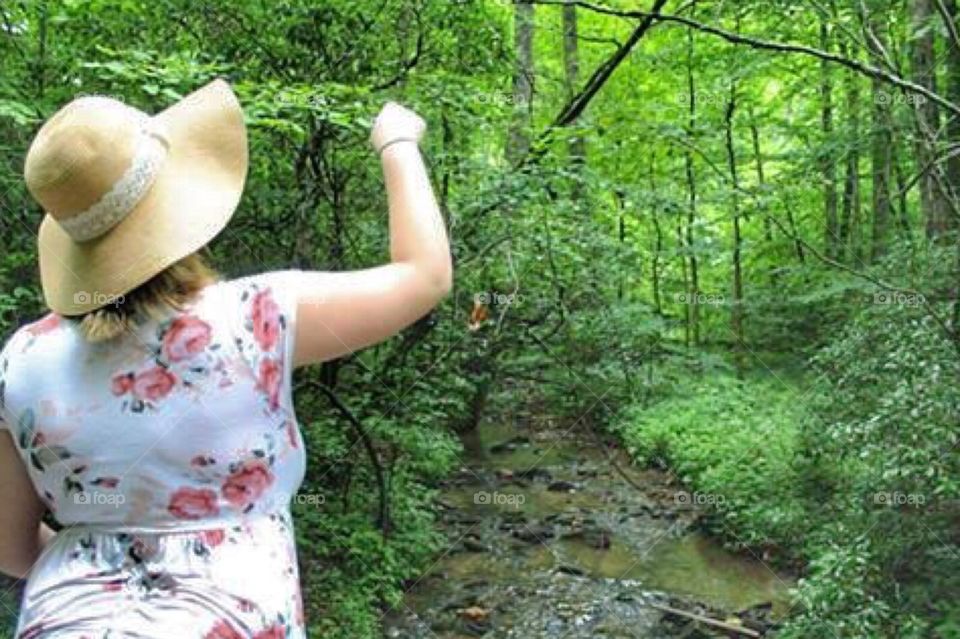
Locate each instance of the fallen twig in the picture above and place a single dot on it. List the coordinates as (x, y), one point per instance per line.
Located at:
(716, 623)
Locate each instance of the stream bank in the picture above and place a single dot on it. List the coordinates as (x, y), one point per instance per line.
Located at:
(548, 538)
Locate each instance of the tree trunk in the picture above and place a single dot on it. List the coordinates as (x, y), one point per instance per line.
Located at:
(736, 316)
(571, 66)
(828, 156)
(693, 291)
(761, 180)
(519, 135)
(932, 203)
(881, 155)
(658, 246)
(850, 209)
(903, 212)
(685, 279)
(952, 90)
(619, 196)
(952, 182)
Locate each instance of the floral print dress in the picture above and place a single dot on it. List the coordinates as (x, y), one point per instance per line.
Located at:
(169, 457)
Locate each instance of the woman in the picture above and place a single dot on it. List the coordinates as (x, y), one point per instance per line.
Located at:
(151, 410)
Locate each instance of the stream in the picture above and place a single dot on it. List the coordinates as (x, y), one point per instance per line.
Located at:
(547, 539)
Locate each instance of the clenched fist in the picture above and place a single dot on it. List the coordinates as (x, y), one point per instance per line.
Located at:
(396, 121)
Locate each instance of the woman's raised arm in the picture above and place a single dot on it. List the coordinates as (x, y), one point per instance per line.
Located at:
(341, 312)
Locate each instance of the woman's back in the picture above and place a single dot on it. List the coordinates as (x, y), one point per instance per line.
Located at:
(170, 456)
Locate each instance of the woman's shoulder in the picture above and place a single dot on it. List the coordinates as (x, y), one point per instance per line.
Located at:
(25, 341)
(264, 279)
(23, 338)
(259, 301)
(266, 291)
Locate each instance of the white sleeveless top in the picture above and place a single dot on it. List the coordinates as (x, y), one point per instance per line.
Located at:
(170, 457)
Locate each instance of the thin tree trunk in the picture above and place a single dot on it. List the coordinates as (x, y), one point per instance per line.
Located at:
(40, 74)
(693, 301)
(571, 65)
(850, 209)
(619, 196)
(761, 179)
(903, 213)
(761, 184)
(658, 246)
(935, 210)
(792, 225)
(736, 316)
(519, 135)
(953, 134)
(881, 155)
(685, 278)
(952, 90)
(828, 156)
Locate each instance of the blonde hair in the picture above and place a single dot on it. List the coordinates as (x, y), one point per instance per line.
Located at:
(170, 289)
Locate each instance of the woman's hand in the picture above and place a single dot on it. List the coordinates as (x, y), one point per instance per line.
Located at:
(396, 121)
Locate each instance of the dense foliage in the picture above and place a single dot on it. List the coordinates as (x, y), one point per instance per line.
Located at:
(738, 256)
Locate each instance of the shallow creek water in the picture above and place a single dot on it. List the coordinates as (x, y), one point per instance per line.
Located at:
(548, 539)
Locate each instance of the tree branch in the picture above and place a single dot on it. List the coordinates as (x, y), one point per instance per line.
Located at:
(756, 43)
(572, 110)
(383, 518)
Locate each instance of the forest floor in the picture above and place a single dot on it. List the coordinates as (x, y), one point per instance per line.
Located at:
(553, 534)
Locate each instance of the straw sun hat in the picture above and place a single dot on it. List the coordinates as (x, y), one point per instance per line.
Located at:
(127, 194)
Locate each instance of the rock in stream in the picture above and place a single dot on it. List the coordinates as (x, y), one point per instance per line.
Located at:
(548, 540)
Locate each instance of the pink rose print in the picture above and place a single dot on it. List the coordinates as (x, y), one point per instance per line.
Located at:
(106, 482)
(186, 336)
(269, 381)
(192, 503)
(223, 630)
(213, 537)
(114, 585)
(266, 320)
(154, 383)
(121, 384)
(275, 631)
(47, 323)
(246, 484)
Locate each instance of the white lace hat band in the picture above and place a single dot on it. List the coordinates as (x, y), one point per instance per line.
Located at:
(123, 197)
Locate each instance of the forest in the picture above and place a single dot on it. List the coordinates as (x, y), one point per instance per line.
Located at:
(699, 374)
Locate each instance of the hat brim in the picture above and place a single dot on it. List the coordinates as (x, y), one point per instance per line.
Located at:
(191, 200)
